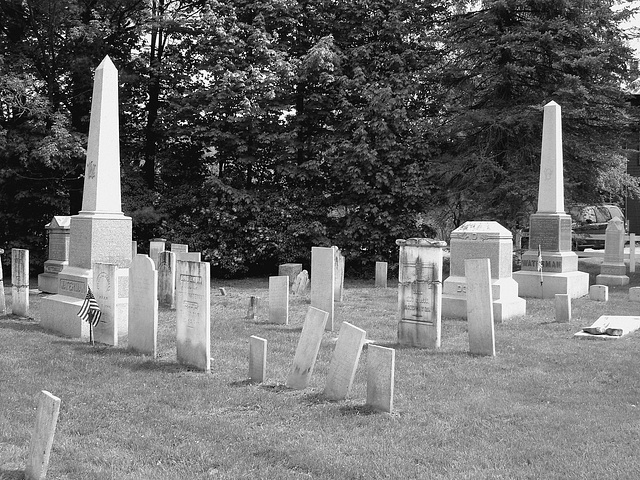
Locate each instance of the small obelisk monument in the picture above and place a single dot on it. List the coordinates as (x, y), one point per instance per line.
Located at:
(556, 269)
(100, 232)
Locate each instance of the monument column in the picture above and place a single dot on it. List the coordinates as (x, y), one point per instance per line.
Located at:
(100, 232)
(550, 226)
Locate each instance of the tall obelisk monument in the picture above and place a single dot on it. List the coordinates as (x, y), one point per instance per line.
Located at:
(100, 232)
(550, 226)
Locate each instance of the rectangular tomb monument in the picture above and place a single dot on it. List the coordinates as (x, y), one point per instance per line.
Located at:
(59, 234)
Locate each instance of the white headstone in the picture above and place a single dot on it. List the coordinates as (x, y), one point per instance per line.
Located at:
(179, 247)
(338, 284)
(563, 307)
(279, 300)
(613, 270)
(156, 246)
(381, 274)
(188, 256)
(381, 365)
(307, 350)
(344, 361)
(193, 304)
(257, 359)
(143, 306)
(480, 307)
(323, 281)
(167, 278)
(599, 293)
(105, 289)
(42, 436)
(20, 282)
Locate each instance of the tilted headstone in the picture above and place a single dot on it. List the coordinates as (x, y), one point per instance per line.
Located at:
(193, 313)
(381, 366)
(338, 283)
(482, 240)
(42, 436)
(599, 293)
(301, 283)
(167, 278)
(381, 274)
(613, 270)
(420, 292)
(58, 232)
(550, 226)
(179, 248)
(279, 300)
(100, 233)
(143, 306)
(156, 246)
(105, 290)
(252, 309)
(291, 270)
(344, 361)
(20, 282)
(3, 302)
(480, 307)
(323, 281)
(307, 349)
(563, 307)
(257, 359)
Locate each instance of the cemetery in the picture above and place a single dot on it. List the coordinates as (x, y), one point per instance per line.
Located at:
(127, 357)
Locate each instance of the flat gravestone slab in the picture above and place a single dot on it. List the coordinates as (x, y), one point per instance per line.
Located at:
(143, 306)
(323, 281)
(105, 290)
(42, 436)
(344, 361)
(626, 325)
(381, 365)
(480, 307)
(167, 278)
(279, 300)
(257, 359)
(307, 350)
(193, 313)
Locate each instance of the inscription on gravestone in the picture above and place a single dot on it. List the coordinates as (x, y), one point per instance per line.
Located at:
(418, 294)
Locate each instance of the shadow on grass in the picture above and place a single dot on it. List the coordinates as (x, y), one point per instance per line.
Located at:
(243, 383)
(356, 410)
(11, 474)
(14, 322)
(281, 328)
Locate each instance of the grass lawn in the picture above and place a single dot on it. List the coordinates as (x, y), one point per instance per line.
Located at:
(547, 406)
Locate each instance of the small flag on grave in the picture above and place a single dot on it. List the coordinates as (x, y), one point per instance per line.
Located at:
(90, 310)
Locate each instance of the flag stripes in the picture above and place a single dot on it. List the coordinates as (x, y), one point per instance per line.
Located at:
(90, 310)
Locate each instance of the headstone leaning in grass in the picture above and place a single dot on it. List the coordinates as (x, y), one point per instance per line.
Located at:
(42, 436)
(193, 300)
(381, 365)
(344, 361)
(381, 274)
(20, 282)
(479, 307)
(307, 349)
(301, 283)
(279, 300)
(323, 281)
(143, 306)
(257, 359)
(167, 278)
(420, 292)
(563, 307)
(613, 270)
(105, 290)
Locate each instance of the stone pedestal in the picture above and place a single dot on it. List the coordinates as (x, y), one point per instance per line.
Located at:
(420, 292)
(474, 240)
(59, 236)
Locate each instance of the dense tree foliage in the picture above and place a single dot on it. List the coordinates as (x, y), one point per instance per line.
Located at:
(253, 130)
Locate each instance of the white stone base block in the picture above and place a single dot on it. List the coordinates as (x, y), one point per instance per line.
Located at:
(418, 334)
(599, 293)
(634, 294)
(456, 307)
(575, 284)
(48, 282)
(612, 280)
(62, 317)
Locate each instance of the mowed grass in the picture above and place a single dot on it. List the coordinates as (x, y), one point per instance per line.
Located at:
(547, 406)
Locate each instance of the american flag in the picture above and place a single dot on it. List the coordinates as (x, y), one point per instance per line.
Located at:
(539, 259)
(90, 310)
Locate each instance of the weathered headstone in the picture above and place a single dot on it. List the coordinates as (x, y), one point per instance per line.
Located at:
(550, 226)
(252, 309)
(381, 274)
(193, 304)
(3, 302)
(599, 293)
(301, 283)
(188, 256)
(344, 361)
(279, 300)
(42, 436)
(257, 359)
(338, 283)
(563, 308)
(479, 307)
(167, 278)
(156, 246)
(420, 292)
(482, 240)
(20, 282)
(100, 233)
(323, 281)
(634, 294)
(381, 366)
(613, 270)
(143, 306)
(307, 349)
(59, 237)
(179, 248)
(291, 270)
(105, 290)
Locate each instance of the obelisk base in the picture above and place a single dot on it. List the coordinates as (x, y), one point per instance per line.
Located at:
(418, 334)
(575, 284)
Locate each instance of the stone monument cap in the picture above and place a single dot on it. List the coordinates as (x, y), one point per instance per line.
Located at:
(59, 221)
(484, 230)
(421, 242)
